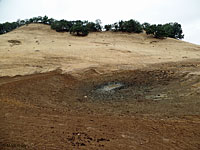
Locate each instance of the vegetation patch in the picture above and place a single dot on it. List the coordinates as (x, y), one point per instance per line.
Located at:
(82, 28)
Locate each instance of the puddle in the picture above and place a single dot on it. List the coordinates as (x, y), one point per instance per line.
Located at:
(110, 87)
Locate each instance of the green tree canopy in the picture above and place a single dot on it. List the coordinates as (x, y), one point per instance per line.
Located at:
(172, 30)
(61, 26)
(82, 28)
(108, 27)
(79, 30)
(131, 26)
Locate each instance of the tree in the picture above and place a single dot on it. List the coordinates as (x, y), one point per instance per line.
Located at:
(39, 19)
(79, 30)
(98, 25)
(160, 31)
(45, 20)
(51, 21)
(133, 26)
(1, 29)
(130, 26)
(7, 27)
(61, 26)
(82, 28)
(121, 25)
(91, 26)
(174, 30)
(115, 26)
(21, 22)
(169, 30)
(145, 25)
(56, 26)
(108, 27)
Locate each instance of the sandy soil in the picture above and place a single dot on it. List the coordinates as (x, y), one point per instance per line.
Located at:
(52, 91)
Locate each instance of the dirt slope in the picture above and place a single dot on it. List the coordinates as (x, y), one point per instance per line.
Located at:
(41, 49)
(105, 91)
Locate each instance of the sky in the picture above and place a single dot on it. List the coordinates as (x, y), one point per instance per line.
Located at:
(185, 12)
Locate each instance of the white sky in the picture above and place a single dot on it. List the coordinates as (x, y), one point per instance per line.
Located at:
(185, 12)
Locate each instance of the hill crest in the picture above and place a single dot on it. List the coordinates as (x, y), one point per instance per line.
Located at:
(42, 49)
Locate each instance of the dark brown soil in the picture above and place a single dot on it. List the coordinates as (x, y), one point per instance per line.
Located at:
(157, 108)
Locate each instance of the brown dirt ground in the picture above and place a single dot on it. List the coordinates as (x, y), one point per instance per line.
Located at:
(59, 111)
(157, 108)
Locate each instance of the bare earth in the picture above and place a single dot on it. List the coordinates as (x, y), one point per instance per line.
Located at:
(104, 91)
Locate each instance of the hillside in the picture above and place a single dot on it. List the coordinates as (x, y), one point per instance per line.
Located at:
(42, 49)
(103, 91)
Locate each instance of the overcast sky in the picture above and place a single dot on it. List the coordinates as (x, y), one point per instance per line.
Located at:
(185, 12)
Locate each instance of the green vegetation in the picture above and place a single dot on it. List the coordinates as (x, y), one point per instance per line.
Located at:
(130, 26)
(82, 28)
(61, 26)
(108, 27)
(172, 30)
(79, 30)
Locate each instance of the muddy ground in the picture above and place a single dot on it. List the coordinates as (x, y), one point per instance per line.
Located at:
(157, 107)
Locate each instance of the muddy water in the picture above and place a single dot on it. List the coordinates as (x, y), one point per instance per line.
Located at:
(110, 87)
(131, 85)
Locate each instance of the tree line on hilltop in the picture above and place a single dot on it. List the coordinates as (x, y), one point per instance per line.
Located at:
(82, 28)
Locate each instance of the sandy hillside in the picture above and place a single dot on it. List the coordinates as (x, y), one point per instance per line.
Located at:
(106, 91)
(40, 49)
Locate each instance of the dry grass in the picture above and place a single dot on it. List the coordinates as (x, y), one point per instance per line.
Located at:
(43, 50)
